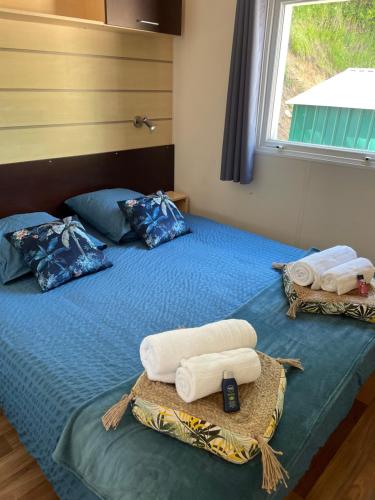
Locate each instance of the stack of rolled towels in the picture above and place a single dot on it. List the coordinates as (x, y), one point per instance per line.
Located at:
(195, 358)
(333, 270)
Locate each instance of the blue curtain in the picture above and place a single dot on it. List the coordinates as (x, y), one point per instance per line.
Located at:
(243, 92)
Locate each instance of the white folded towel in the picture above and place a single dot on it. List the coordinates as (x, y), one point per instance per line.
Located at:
(343, 278)
(161, 353)
(201, 376)
(309, 270)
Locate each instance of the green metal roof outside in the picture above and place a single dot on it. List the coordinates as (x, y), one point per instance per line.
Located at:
(338, 112)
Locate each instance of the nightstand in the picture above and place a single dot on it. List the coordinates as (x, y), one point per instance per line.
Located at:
(181, 200)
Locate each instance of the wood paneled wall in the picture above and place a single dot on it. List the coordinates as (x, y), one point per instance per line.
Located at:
(67, 90)
(84, 9)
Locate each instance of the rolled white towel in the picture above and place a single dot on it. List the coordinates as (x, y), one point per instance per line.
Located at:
(201, 376)
(161, 353)
(309, 270)
(343, 278)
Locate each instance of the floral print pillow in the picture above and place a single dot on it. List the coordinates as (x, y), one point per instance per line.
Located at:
(154, 218)
(58, 252)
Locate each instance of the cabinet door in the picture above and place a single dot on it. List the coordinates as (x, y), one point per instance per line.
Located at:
(163, 16)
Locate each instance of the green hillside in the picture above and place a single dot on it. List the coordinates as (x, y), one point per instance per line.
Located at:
(326, 39)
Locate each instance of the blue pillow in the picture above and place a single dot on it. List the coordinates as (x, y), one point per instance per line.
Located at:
(12, 264)
(155, 218)
(101, 210)
(58, 252)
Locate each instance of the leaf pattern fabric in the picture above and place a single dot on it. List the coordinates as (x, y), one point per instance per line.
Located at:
(58, 251)
(154, 218)
(207, 436)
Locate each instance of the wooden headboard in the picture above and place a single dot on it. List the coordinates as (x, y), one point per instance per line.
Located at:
(43, 185)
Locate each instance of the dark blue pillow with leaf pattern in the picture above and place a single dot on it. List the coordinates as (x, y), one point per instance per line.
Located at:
(58, 251)
(154, 218)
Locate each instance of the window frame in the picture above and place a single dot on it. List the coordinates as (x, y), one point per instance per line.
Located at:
(275, 54)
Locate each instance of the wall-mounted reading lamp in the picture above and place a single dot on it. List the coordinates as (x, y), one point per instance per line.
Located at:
(143, 120)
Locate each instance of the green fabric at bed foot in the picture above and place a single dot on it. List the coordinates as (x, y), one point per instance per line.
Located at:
(135, 462)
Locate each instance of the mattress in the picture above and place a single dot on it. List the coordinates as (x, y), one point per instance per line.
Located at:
(61, 348)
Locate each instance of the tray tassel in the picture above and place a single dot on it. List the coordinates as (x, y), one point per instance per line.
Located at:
(292, 311)
(279, 266)
(296, 363)
(273, 472)
(114, 415)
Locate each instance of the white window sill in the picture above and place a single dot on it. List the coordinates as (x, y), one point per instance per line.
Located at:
(311, 153)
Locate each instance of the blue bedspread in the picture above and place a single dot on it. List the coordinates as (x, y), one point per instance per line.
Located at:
(61, 348)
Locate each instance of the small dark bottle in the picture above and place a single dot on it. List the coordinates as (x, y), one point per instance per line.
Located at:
(230, 393)
(362, 285)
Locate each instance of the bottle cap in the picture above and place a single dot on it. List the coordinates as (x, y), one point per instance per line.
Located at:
(228, 374)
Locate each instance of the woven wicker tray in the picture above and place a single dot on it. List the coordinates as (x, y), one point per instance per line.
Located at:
(258, 400)
(302, 298)
(236, 437)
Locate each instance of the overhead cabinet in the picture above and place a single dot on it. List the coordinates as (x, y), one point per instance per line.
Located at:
(161, 16)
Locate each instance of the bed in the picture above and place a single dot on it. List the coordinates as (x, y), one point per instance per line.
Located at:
(61, 348)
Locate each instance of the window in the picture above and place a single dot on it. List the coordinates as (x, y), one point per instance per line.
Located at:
(318, 81)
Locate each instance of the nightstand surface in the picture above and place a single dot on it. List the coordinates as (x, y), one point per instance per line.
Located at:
(180, 199)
